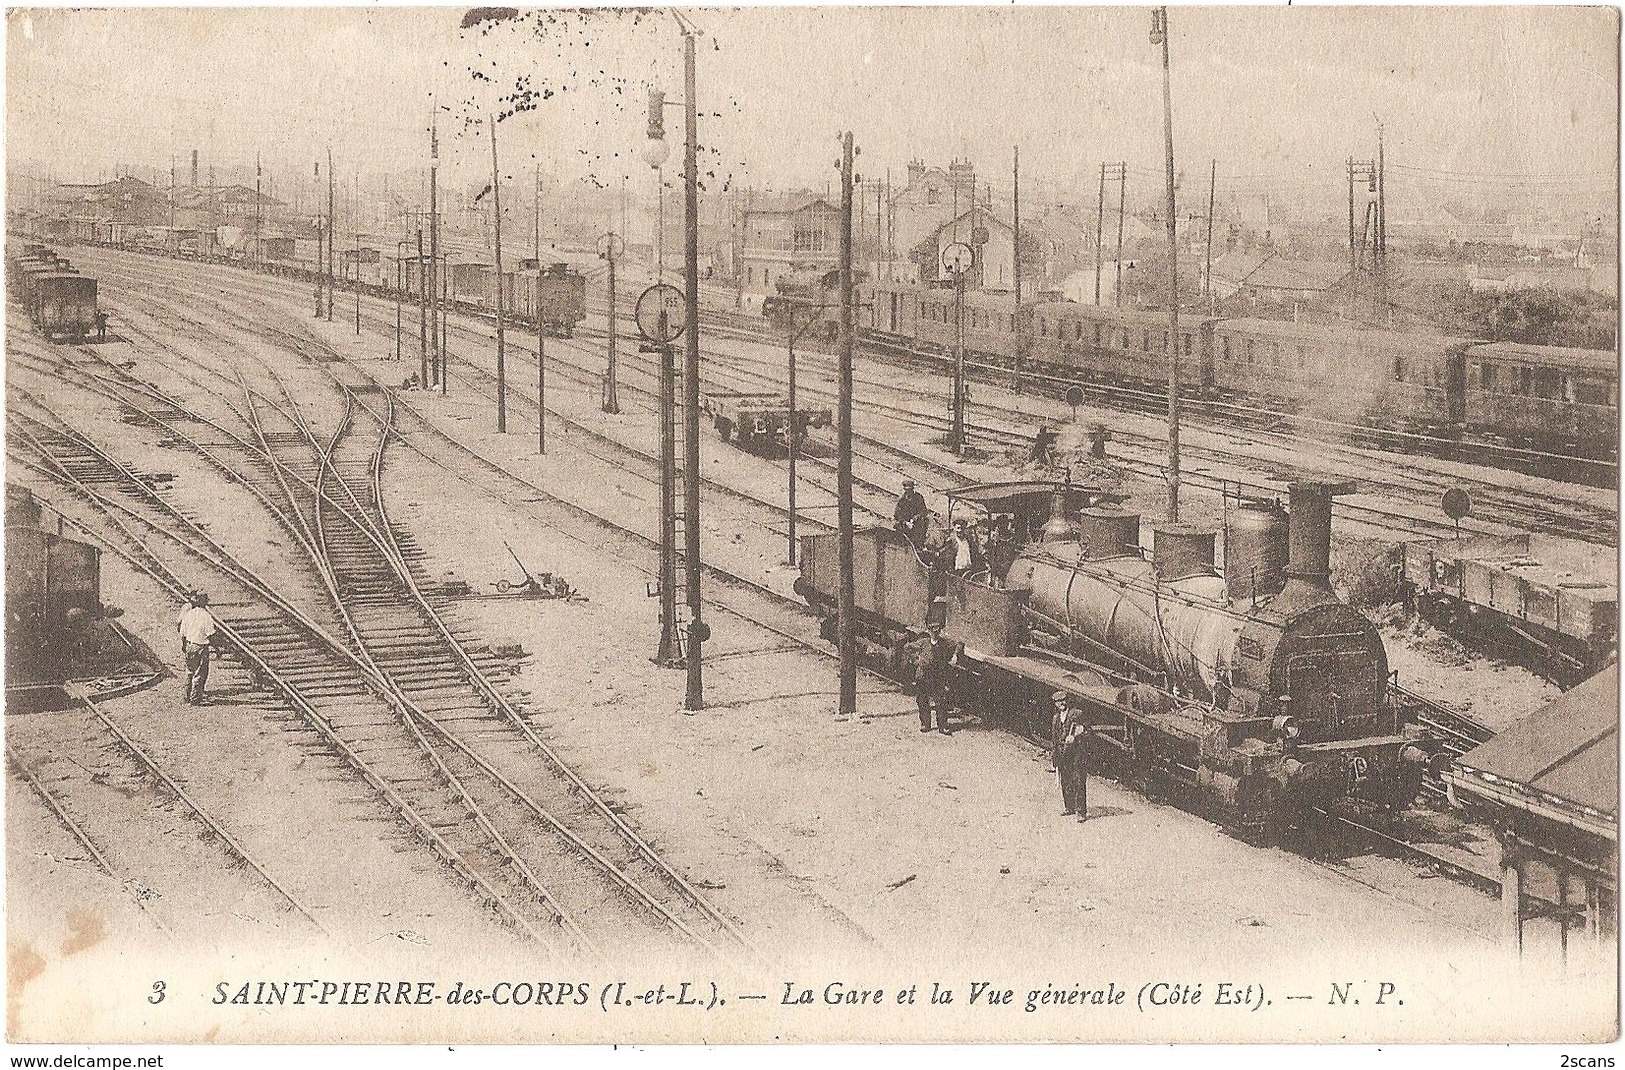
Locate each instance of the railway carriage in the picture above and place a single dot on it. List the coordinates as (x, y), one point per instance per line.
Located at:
(1095, 342)
(1379, 377)
(1554, 397)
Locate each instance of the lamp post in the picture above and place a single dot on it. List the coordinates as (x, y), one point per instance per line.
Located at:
(957, 260)
(609, 249)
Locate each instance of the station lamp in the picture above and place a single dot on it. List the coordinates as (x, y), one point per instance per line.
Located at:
(655, 149)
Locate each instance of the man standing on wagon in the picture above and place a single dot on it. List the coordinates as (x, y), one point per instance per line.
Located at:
(911, 514)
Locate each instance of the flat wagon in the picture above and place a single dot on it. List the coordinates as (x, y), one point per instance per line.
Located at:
(1551, 598)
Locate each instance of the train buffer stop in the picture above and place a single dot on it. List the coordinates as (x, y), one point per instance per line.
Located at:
(1549, 786)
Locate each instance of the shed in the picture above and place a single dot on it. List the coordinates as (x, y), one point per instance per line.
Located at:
(1550, 787)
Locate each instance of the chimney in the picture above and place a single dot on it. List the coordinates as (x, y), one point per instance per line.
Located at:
(1309, 532)
(194, 169)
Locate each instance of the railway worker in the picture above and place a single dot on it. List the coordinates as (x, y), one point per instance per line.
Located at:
(960, 553)
(101, 326)
(1001, 550)
(911, 514)
(1070, 740)
(1043, 451)
(197, 628)
(933, 661)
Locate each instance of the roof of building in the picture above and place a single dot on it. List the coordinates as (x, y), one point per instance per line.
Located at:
(1280, 274)
(1565, 754)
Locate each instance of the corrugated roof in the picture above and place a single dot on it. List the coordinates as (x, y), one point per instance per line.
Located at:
(1568, 750)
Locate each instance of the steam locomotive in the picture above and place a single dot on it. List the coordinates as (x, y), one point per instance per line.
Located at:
(1256, 693)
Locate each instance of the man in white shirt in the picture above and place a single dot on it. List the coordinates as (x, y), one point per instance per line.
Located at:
(197, 628)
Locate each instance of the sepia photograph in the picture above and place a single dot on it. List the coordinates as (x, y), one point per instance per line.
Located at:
(807, 525)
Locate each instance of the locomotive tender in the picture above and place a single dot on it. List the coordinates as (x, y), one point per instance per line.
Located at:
(1256, 692)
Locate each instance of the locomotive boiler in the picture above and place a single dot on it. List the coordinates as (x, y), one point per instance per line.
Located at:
(1256, 691)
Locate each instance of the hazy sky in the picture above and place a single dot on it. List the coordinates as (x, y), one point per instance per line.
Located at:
(1280, 96)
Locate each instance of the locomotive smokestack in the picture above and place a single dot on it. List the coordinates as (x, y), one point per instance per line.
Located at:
(1309, 532)
(194, 169)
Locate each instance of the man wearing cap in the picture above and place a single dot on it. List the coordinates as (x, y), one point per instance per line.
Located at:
(960, 554)
(911, 514)
(1069, 730)
(933, 658)
(197, 628)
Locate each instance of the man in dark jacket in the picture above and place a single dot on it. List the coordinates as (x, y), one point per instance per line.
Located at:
(1070, 740)
(911, 514)
(933, 662)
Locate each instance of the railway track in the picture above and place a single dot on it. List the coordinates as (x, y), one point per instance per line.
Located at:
(1500, 507)
(336, 461)
(61, 755)
(515, 833)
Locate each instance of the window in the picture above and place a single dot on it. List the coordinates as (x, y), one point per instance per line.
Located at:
(1303, 356)
(1275, 354)
(1548, 383)
(1010, 324)
(1145, 341)
(1486, 375)
(1590, 391)
(1043, 326)
(933, 196)
(1526, 381)
(1125, 340)
(1224, 346)
(1189, 348)
(1097, 336)
(1249, 351)
(1077, 332)
(1399, 368)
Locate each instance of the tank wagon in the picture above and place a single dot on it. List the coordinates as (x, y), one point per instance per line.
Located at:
(1256, 692)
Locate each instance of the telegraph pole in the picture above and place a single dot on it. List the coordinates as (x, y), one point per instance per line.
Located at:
(320, 228)
(258, 255)
(612, 404)
(356, 208)
(434, 246)
(502, 355)
(332, 231)
(1122, 196)
(1015, 260)
(1100, 224)
(694, 698)
(957, 436)
(1382, 235)
(541, 331)
(1159, 35)
(846, 610)
(423, 316)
